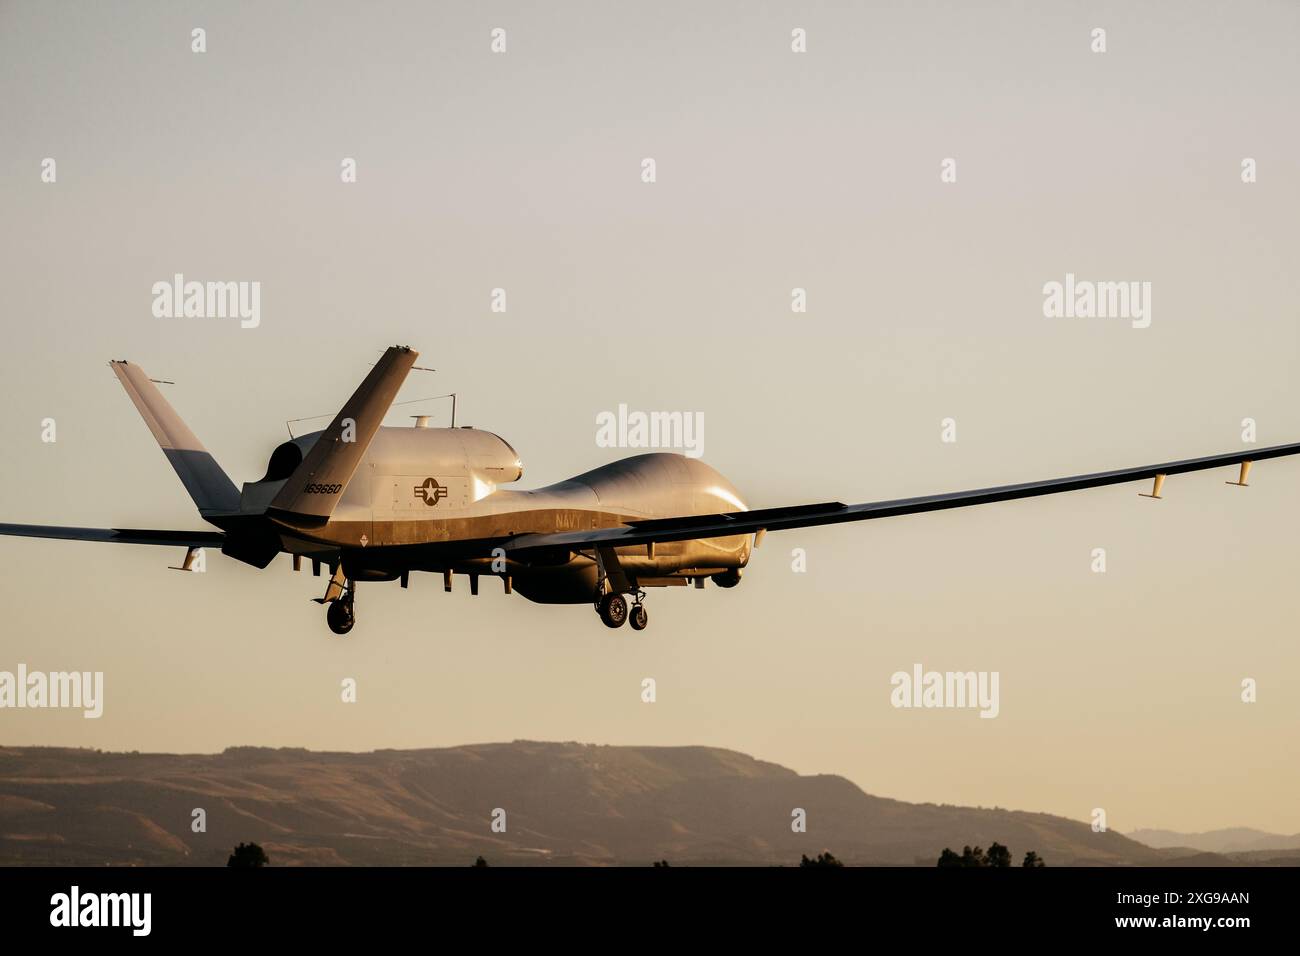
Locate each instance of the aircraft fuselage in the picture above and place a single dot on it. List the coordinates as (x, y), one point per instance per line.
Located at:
(418, 487)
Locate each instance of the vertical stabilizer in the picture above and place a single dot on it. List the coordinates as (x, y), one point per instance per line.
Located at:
(212, 490)
(314, 489)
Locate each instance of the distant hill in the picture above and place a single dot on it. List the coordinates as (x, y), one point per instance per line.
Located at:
(566, 803)
(1231, 840)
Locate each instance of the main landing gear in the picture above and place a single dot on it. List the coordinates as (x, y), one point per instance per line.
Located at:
(612, 582)
(613, 610)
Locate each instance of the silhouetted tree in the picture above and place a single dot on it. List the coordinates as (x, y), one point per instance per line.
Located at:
(998, 855)
(661, 864)
(973, 857)
(823, 859)
(248, 854)
(480, 862)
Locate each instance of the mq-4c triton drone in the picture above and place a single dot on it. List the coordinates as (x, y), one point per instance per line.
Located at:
(375, 503)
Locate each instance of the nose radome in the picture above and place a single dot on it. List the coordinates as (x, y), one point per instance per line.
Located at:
(719, 493)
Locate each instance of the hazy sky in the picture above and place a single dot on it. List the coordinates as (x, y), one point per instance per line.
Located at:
(775, 170)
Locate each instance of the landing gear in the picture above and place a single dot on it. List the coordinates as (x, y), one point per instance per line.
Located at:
(612, 582)
(341, 616)
(612, 610)
(340, 602)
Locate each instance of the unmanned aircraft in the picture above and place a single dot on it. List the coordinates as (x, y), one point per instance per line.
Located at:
(374, 503)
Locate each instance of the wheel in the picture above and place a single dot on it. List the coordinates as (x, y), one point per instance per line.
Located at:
(613, 610)
(638, 617)
(339, 617)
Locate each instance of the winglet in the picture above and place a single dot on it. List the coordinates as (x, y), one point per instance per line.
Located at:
(316, 485)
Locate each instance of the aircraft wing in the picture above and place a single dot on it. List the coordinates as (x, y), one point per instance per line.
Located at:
(833, 512)
(185, 539)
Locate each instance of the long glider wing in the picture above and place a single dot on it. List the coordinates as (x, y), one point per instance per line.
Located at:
(806, 516)
(186, 539)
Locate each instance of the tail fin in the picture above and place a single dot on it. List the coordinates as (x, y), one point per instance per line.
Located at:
(212, 490)
(316, 485)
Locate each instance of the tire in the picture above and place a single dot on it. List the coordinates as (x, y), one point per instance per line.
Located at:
(613, 610)
(638, 617)
(339, 617)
